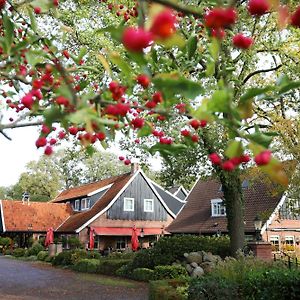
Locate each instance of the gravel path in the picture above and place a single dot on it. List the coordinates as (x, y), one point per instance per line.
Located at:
(21, 280)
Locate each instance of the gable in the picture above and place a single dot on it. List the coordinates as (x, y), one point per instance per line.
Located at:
(139, 189)
(180, 194)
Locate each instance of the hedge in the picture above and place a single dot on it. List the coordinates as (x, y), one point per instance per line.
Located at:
(169, 272)
(64, 258)
(172, 289)
(42, 255)
(34, 250)
(110, 266)
(141, 274)
(87, 265)
(18, 252)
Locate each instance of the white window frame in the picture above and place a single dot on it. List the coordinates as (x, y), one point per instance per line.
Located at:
(76, 207)
(86, 202)
(289, 237)
(125, 207)
(152, 205)
(273, 239)
(217, 201)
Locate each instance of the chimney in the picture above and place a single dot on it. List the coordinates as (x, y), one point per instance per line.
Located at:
(134, 168)
(25, 197)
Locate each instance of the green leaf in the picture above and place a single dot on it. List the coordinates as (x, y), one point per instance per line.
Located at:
(52, 114)
(64, 90)
(260, 138)
(289, 86)
(81, 116)
(45, 5)
(253, 92)
(32, 18)
(174, 84)
(145, 130)
(276, 172)
(175, 40)
(210, 68)
(214, 48)
(34, 57)
(192, 46)
(8, 33)
(167, 150)
(234, 149)
(220, 101)
(83, 51)
(121, 63)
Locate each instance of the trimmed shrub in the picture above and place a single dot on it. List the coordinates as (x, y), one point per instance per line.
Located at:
(49, 259)
(64, 258)
(169, 272)
(35, 249)
(74, 243)
(110, 266)
(77, 255)
(93, 254)
(30, 258)
(274, 284)
(5, 242)
(86, 265)
(42, 255)
(19, 252)
(175, 289)
(142, 274)
(213, 288)
(122, 255)
(9, 252)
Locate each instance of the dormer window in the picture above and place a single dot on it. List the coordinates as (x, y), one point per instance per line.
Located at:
(76, 205)
(85, 203)
(148, 205)
(217, 208)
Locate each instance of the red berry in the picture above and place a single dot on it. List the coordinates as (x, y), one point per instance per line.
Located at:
(52, 141)
(101, 136)
(37, 10)
(121, 158)
(215, 159)
(66, 54)
(73, 130)
(295, 18)
(48, 150)
(41, 142)
(136, 39)
(157, 97)
(258, 7)
(195, 124)
(55, 2)
(220, 17)
(150, 104)
(37, 84)
(218, 33)
(241, 41)
(62, 101)
(244, 158)
(138, 123)
(143, 80)
(127, 162)
(263, 158)
(228, 165)
(61, 135)
(2, 4)
(28, 101)
(164, 24)
(195, 138)
(203, 123)
(45, 129)
(185, 132)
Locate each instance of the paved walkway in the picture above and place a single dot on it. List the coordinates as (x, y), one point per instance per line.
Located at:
(38, 281)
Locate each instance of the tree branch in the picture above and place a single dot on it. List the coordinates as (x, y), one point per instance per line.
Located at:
(261, 71)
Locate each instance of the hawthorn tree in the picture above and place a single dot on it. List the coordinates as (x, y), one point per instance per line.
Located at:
(191, 68)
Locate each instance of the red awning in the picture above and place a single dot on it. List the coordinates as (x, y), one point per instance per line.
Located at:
(126, 231)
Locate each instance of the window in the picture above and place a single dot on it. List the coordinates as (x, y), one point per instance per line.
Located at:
(217, 208)
(148, 205)
(96, 242)
(76, 205)
(85, 203)
(128, 204)
(274, 240)
(289, 243)
(121, 243)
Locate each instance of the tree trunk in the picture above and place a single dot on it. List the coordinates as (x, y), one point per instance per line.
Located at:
(233, 195)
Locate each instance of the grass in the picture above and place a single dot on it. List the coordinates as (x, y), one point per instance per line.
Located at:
(108, 281)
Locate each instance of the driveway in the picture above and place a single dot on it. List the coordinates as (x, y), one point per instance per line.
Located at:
(21, 280)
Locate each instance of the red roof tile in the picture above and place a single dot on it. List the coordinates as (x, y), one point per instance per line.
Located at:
(78, 219)
(195, 217)
(85, 189)
(40, 215)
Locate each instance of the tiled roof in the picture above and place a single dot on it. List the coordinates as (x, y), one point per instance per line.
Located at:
(38, 216)
(78, 219)
(85, 189)
(195, 217)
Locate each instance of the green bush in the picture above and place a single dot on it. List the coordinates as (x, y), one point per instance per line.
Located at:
(169, 249)
(142, 274)
(5, 242)
(87, 265)
(169, 272)
(110, 266)
(274, 284)
(30, 258)
(93, 254)
(77, 255)
(213, 288)
(19, 252)
(49, 259)
(42, 255)
(9, 252)
(74, 243)
(64, 259)
(172, 289)
(35, 249)
(122, 255)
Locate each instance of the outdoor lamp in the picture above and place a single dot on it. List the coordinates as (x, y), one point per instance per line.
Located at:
(257, 226)
(29, 227)
(142, 232)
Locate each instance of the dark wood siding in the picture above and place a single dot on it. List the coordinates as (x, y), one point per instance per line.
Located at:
(139, 190)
